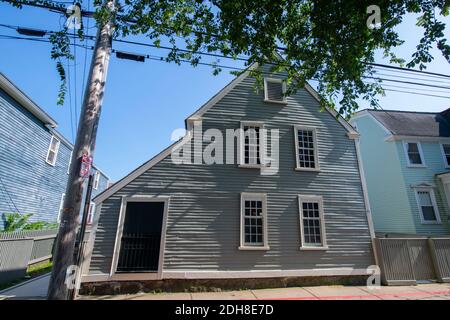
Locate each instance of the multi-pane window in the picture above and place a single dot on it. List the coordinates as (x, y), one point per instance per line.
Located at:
(253, 217)
(427, 206)
(96, 180)
(446, 153)
(414, 154)
(252, 142)
(61, 207)
(306, 148)
(274, 90)
(90, 217)
(52, 152)
(311, 222)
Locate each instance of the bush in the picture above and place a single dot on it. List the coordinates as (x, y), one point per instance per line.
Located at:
(18, 222)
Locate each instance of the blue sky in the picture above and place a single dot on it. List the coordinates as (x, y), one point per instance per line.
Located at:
(145, 102)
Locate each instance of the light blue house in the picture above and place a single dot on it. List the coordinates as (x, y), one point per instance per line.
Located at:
(34, 158)
(406, 161)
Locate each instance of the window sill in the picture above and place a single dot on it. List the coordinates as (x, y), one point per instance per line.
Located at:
(431, 222)
(416, 166)
(276, 102)
(248, 248)
(50, 164)
(250, 166)
(305, 169)
(314, 248)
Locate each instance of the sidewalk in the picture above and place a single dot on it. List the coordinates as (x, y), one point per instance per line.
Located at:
(432, 291)
(35, 288)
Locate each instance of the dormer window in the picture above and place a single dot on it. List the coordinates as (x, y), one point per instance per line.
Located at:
(274, 90)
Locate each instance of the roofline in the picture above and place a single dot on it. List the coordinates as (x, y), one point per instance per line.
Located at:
(351, 132)
(402, 111)
(11, 89)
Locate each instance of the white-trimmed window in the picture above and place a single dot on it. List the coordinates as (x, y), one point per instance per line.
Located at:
(96, 180)
(274, 90)
(414, 154)
(445, 149)
(91, 214)
(254, 222)
(306, 148)
(312, 224)
(428, 209)
(52, 152)
(61, 207)
(70, 162)
(252, 144)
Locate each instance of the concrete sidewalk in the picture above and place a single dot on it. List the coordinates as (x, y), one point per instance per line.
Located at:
(432, 291)
(35, 288)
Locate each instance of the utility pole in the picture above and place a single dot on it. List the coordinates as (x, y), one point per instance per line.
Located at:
(63, 256)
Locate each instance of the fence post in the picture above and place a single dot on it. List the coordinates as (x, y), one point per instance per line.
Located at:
(434, 259)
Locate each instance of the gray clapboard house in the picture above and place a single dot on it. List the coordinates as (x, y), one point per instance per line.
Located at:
(221, 221)
(34, 159)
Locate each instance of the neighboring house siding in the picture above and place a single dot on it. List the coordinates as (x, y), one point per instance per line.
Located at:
(413, 176)
(33, 185)
(203, 227)
(386, 187)
(389, 181)
(28, 184)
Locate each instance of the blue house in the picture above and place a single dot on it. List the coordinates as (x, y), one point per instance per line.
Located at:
(34, 159)
(406, 161)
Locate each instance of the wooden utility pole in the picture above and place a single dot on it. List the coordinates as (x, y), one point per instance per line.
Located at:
(63, 256)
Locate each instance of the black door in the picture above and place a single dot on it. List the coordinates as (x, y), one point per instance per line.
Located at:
(141, 237)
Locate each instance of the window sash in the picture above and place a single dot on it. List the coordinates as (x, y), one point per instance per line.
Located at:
(52, 152)
(306, 148)
(414, 154)
(253, 221)
(426, 201)
(446, 153)
(312, 224)
(96, 180)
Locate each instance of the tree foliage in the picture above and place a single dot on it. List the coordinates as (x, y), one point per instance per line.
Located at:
(328, 41)
(14, 221)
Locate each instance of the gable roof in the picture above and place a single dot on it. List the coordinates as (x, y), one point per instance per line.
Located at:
(25, 101)
(410, 123)
(197, 116)
(11, 89)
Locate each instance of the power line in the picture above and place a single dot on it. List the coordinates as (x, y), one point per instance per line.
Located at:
(162, 59)
(61, 9)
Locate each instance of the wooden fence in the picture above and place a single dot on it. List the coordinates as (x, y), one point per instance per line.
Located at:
(20, 249)
(405, 261)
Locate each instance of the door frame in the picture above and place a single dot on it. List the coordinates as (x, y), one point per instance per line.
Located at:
(123, 208)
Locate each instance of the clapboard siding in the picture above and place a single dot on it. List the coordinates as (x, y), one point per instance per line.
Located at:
(27, 181)
(203, 226)
(393, 203)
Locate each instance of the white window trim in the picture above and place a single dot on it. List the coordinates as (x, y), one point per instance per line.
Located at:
(258, 197)
(419, 146)
(91, 213)
(70, 162)
(274, 80)
(318, 199)
(123, 208)
(56, 151)
(316, 153)
(447, 165)
(96, 180)
(433, 202)
(61, 205)
(262, 144)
